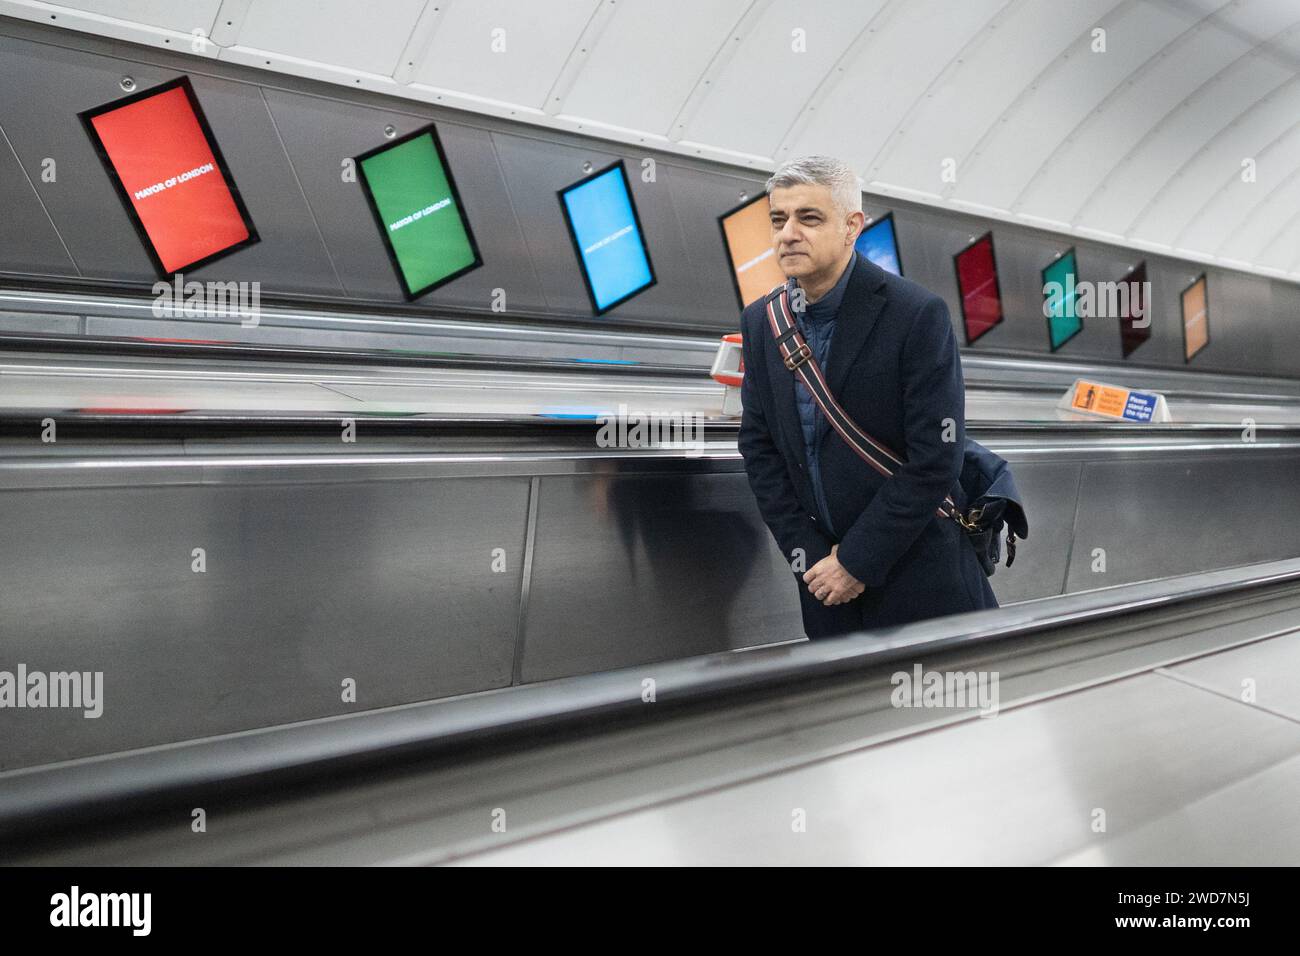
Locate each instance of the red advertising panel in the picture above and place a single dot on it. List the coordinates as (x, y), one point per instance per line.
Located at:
(977, 284)
(163, 160)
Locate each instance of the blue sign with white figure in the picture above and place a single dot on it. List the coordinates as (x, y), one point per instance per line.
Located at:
(606, 234)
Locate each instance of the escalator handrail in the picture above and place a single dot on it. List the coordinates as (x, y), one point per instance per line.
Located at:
(96, 788)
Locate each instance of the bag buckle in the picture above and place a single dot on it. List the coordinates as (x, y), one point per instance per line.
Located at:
(968, 522)
(800, 355)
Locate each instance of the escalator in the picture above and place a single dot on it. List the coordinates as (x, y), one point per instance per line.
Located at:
(1124, 697)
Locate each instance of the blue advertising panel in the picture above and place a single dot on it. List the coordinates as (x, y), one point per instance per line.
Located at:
(879, 244)
(606, 234)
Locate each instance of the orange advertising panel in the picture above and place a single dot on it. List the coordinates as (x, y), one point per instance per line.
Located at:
(1196, 319)
(170, 175)
(747, 232)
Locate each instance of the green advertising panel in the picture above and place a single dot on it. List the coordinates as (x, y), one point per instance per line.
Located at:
(418, 211)
(1060, 300)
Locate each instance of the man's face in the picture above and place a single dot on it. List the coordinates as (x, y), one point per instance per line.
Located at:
(808, 235)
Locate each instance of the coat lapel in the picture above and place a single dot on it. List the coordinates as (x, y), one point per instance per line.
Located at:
(783, 395)
(859, 309)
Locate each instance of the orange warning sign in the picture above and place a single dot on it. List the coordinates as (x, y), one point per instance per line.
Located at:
(1115, 402)
(1099, 399)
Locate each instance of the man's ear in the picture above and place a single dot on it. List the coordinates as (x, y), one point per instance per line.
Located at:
(857, 221)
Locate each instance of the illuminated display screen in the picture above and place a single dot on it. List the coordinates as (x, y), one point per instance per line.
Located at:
(879, 244)
(1196, 319)
(418, 211)
(747, 234)
(977, 285)
(169, 173)
(1061, 300)
(606, 234)
(1134, 320)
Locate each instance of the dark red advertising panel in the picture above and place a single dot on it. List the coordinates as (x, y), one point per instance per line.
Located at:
(169, 173)
(977, 284)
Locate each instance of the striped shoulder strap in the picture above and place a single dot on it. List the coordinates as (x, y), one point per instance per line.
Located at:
(799, 359)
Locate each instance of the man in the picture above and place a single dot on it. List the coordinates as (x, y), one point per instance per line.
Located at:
(867, 550)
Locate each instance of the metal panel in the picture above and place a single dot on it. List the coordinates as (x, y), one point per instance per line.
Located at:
(44, 124)
(43, 322)
(1194, 514)
(1238, 336)
(89, 215)
(1020, 258)
(386, 582)
(320, 133)
(699, 198)
(926, 245)
(1050, 490)
(85, 391)
(291, 256)
(270, 332)
(535, 170)
(29, 242)
(633, 569)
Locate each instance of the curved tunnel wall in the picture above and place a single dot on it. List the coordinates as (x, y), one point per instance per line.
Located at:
(285, 140)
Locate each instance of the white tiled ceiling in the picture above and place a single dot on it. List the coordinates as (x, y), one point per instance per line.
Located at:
(161, 14)
(465, 52)
(342, 33)
(1142, 143)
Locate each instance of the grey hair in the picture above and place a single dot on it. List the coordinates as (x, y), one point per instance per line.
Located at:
(837, 175)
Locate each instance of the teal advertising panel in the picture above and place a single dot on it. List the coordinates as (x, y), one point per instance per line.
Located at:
(1061, 299)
